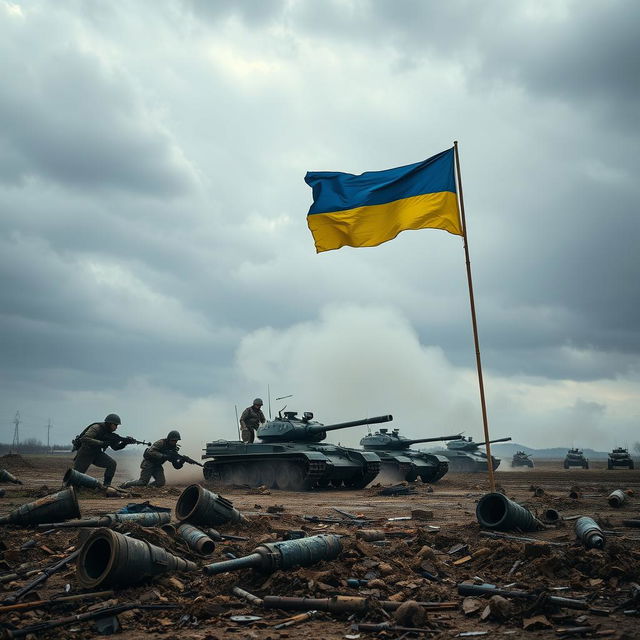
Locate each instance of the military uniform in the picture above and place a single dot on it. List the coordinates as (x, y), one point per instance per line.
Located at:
(153, 459)
(250, 420)
(92, 442)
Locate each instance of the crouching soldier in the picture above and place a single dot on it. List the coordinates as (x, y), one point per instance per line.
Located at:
(91, 444)
(153, 459)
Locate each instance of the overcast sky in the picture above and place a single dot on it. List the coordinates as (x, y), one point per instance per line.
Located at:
(155, 259)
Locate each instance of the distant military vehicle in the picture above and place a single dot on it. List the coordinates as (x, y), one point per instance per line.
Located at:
(397, 456)
(291, 455)
(521, 459)
(575, 458)
(619, 458)
(464, 455)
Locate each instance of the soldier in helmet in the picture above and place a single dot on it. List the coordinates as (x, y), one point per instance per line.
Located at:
(91, 444)
(251, 418)
(152, 460)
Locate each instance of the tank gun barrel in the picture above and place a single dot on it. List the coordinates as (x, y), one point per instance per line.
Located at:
(319, 428)
(457, 436)
(480, 444)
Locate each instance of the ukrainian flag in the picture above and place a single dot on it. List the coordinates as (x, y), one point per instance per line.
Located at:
(372, 208)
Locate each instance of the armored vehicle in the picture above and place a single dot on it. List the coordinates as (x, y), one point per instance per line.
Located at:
(575, 458)
(291, 455)
(464, 455)
(397, 457)
(521, 459)
(619, 458)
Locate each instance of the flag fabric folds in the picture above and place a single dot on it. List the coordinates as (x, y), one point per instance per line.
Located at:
(374, 207)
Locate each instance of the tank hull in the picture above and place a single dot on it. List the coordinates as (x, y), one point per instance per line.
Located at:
(289, 466)
(413, 465)
(577, 461)
(620, 463)
(467, 461)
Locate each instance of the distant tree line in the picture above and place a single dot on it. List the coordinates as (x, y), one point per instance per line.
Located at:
(31, 445)
(636, 447)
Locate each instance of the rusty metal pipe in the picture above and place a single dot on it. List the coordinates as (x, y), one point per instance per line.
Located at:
(197, 540)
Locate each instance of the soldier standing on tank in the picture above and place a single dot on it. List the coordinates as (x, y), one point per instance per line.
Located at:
(91, 444)
(251, 418)
(152, 460)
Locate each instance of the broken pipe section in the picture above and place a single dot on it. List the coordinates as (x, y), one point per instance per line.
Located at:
(589, 533)
(271, 556)
(52, 508)
(495, 511)
(110, 558)
(198, 506)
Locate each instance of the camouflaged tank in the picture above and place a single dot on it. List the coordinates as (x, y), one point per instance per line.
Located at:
(397, 457)
(521, 459)
(619, 458)
(575, 458)
(464, 455)
(292, 456)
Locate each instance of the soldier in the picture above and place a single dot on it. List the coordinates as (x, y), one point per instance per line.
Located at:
(91, 444)
(153, 459)
(251, 418)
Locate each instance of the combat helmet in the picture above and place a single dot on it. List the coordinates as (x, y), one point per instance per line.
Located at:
(174, 435)
(113, 418)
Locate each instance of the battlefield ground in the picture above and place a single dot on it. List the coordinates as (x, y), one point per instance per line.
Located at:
(441, 540)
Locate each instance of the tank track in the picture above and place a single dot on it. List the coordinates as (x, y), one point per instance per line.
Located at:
(372, 469)
(407, 471)
(313, 471)
(441, 471)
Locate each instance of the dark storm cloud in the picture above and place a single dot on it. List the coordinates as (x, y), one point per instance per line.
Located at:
(67, 117)
(587, 53)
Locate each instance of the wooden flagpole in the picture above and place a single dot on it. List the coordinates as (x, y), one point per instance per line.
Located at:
(492, 482)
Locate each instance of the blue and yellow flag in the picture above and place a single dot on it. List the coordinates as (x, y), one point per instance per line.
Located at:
(372, 208)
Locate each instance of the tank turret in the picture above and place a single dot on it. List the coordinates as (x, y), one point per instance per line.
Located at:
(401, 461)
(393, 441)
(463, 455)
(467, 444)
(290, 428)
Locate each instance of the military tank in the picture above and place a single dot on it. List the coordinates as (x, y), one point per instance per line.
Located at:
(575, 458)
(292, 456)
(464, 457)
(619, 458)
(521, 459)
(397, 457)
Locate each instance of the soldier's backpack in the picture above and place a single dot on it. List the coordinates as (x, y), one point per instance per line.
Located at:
(76, 441)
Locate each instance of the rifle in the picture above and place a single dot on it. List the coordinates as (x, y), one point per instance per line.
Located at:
(117, 439)
(178, 457)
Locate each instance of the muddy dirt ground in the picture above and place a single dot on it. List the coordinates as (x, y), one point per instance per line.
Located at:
(448, 546)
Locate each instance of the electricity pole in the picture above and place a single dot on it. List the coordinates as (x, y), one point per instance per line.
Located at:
(48, 434)
(16, 432)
